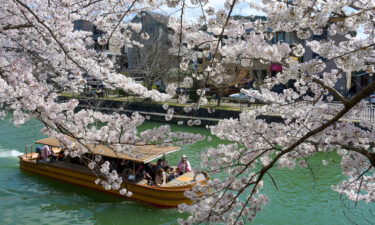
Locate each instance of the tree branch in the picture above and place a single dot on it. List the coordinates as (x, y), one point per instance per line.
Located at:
(333, 91)
(17, 27)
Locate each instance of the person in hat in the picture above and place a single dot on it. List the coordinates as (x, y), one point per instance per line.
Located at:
(183, 165)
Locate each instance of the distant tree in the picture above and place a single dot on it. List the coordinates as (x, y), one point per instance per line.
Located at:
(152, 58)
(154, 62)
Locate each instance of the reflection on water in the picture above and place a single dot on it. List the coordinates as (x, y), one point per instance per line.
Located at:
(30, 199)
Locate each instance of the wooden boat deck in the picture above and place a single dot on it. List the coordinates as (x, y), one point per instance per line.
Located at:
(187, 178)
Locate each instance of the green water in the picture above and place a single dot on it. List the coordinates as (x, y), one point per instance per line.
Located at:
(36, 200)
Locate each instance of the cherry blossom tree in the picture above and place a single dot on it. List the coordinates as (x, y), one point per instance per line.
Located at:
(42, 56)
(309, 124)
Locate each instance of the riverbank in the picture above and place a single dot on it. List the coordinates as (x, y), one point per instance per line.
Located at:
(208, 115)
(156, 113)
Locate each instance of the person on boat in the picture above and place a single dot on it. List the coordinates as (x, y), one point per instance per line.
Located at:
(115, 164)
(165, 164)
(183, 166)
(161, 178)
(142, 173)
(139, 171)
(171, 173)
(121, 167)
(149, 170)
(46, 153)
(159, 165)
(39, 151)
(61, 155)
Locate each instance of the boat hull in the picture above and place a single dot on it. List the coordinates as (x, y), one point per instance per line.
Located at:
(165, 197)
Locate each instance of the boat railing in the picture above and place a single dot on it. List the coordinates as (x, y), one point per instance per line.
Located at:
(28, 148)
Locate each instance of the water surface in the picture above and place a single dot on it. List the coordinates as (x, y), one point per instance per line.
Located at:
(30, 199)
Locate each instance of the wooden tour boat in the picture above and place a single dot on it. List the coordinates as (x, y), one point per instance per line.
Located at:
(169, 195)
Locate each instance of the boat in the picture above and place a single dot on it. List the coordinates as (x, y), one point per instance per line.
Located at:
(168, 195)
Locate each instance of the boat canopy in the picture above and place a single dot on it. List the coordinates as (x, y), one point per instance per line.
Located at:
(141, 153)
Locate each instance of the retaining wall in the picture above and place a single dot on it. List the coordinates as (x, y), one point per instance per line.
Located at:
(157, 113)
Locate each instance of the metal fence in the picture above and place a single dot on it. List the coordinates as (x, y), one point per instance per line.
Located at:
(366, 114)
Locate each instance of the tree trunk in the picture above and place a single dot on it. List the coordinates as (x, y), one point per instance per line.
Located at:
(219, 96)
(149, 84)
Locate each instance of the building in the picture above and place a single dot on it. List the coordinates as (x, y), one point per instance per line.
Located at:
(152, 62)
(110, 49)
(343, 84)
(248, 77)
(259, 71)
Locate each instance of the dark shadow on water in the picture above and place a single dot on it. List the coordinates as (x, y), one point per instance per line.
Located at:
(96, 206)
(69, 189)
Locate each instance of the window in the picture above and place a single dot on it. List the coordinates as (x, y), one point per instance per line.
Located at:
(317, 56)
(280, 37)
(78, 25)
(209, 57)
(322, 36)
(123, 50)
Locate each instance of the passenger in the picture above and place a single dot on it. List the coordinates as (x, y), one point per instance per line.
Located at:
(171, 173)
(121, 167)
(159, 165)
(125, 168)
(46, 153)
(148, 177)
(160, 178)
(165, 164)
(183, 165)
(115, 164)
(149, 170)
(39, 151)
(139, 171)
(60, 156)
(142, 173)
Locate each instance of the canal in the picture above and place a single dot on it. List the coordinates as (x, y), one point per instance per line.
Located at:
(33, 200)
